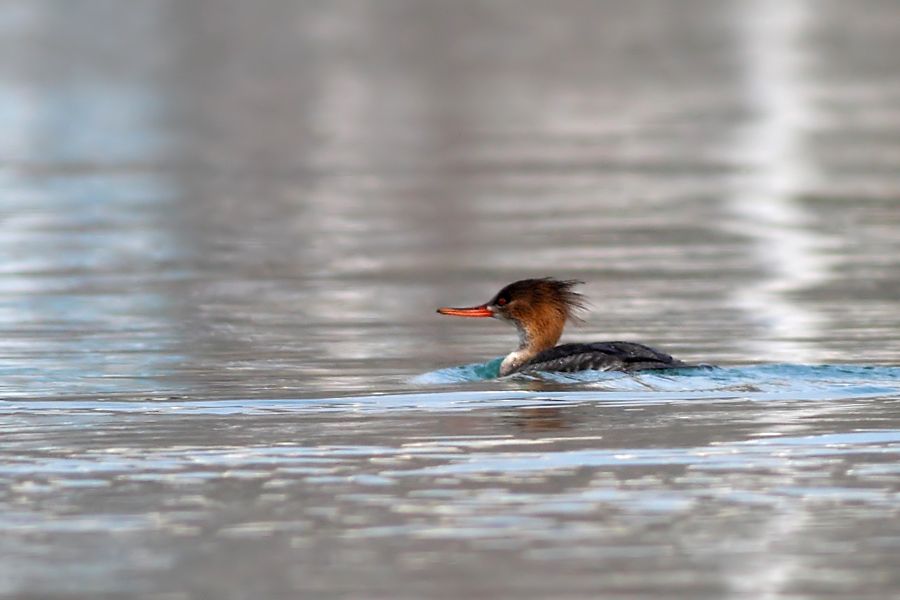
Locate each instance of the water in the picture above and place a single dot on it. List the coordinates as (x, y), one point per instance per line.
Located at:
(743, 482)
(225, 229)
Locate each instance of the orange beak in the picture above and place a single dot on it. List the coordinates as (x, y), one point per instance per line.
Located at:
(474, 311)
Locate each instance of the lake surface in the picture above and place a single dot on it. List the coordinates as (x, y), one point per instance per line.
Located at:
(226, 226)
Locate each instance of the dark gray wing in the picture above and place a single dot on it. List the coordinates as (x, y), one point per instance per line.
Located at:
(601, 356)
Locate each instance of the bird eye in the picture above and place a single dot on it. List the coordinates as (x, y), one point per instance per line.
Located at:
(501, 301)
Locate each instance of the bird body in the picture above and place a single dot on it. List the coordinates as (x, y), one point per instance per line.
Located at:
(601, 356)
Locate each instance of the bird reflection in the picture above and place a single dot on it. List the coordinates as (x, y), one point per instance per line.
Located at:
(542, 418)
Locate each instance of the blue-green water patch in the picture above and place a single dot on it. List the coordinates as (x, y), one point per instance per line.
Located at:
(850, 380)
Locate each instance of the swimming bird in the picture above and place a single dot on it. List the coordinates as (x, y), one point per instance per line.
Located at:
(539, 309)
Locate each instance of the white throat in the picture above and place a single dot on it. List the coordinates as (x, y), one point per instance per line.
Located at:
(520, 355)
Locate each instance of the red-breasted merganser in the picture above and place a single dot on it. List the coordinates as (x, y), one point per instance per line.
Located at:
(539, 308)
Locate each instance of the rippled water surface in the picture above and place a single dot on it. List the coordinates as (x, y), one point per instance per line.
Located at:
(226, 226)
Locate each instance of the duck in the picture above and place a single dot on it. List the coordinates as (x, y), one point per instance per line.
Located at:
(539, 310)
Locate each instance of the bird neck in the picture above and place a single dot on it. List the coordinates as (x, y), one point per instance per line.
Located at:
(534, 337)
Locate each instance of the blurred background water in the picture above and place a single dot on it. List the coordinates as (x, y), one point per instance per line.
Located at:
(226, 226)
